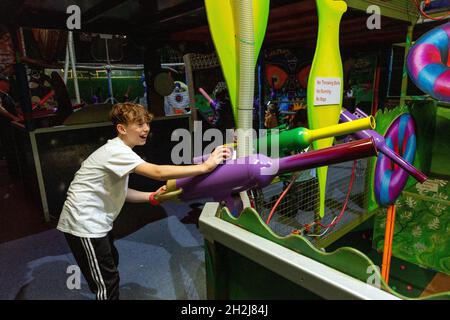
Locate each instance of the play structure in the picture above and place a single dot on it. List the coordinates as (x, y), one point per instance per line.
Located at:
(208, 91)
(261, 170)
(343, 194)
(178, 101)
(401, 137)
(50, 134)
(298, 138)
(307, 204)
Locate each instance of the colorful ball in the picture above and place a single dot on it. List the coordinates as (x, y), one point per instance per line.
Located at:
(429, 65)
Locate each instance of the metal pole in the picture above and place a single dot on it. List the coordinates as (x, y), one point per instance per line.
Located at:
(260, 95)
(74, 69)
(391, 61)
(22, 46)
(108, 73)
(376, 88)
(66, 63)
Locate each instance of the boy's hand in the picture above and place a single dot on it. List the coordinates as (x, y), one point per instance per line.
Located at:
(160, 191)
(219, 154)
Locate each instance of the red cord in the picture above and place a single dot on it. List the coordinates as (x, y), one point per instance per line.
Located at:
(294, 177)
(307, 227)
(252, 201)
(352, 178)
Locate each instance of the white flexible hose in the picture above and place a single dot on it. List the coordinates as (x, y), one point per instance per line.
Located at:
(246, 45)
(246, 42)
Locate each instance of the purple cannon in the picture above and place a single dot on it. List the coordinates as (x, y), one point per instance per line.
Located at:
(259, 170)
(381, 144)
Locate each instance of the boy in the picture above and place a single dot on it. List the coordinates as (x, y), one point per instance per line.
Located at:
(100, 188)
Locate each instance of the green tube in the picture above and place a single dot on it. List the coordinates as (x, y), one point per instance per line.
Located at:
(301, 138)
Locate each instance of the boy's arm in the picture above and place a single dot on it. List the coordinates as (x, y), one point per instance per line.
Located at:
(166, 172)
(135, 196)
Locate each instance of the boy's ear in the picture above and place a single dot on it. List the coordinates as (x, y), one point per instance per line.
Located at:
(121, 128)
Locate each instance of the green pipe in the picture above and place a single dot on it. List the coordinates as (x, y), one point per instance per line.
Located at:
(408, 44)
(301, 138)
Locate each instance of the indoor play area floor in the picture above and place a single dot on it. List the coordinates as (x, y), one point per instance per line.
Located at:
(162, 259)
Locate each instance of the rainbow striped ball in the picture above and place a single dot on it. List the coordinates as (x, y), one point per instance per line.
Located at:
(429, 64)
(390, 179)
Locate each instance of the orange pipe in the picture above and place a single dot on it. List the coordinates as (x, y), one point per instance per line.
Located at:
(386, 245)
(393, 211)
(388, 237)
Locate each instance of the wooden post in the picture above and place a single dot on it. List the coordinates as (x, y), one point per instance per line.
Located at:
(152, 65)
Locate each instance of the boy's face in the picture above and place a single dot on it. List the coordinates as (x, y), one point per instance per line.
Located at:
(134, 134)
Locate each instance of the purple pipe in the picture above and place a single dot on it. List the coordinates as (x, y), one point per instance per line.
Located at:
(259, 170)
(212, 103)
(381, 144)
(324, 157)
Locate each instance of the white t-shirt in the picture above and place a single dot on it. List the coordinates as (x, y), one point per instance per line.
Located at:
(98, 191)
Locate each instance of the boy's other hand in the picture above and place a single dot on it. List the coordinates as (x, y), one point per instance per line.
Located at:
(219, 154)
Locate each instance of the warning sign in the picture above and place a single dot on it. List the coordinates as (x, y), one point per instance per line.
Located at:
(327, 91)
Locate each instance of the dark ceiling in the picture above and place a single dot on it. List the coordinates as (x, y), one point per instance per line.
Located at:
(291, 22)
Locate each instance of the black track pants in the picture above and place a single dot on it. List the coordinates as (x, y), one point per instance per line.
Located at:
(98, 260)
